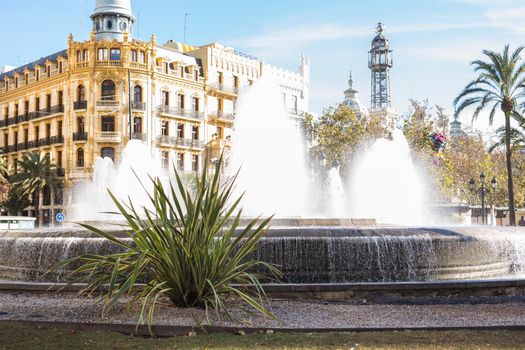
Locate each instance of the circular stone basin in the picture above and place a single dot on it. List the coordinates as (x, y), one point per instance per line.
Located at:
(311, 254)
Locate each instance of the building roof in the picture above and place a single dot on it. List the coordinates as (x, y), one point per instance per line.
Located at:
(352, 100)
(120, 7)
(31, 65)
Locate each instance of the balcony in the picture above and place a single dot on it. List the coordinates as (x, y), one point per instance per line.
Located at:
(11, 121)
(108, 136)
(138, 136)
(109, 63)
(23, 118)
(44, 142)
(11, 148)
(32, 144)
(58, 139)
(190, 143)
(221, 117)
(138, 106)
(216, 147)
(3, 123)
(21, 146)
(108, 104)
(80, 136)
(82, 64)
(224, 90)
(180, 113)
(165, 140)
(77, 105)
(138, 65)
(46, 112)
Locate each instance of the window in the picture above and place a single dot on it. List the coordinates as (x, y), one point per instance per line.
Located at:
(60, 67)
(142, 57)
(37, 104)
(81, 93)
(196, 75)
(180, 101)
(26, 107)
(48, 102)
(165, 159)
(220, 77)
(180, 161)
(165, 128)
(235, 81)
(79, 56)
(80, 125)
(37, 75)
(60, 126)
(60, 98)
(195, 162)
(195, 104)
(48, 71)
(59, 159)
(180, 131)
(102, 54)
(284, 100)
(108, 90)
(48, 131)
(165, 98)
(108, 152)
(37, 132)
(108, 123)
(26, 136)
(16, 109)
(137, 125)
(6, 113)
(80, 157)
(294, 104)
(86, 55)
(114, 55)
(137, 93)
(133, 56)
(195, 132)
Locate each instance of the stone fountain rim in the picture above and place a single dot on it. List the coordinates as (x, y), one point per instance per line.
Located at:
(438, 232)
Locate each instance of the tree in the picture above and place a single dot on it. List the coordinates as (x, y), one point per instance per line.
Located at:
(36, 173)
(4, 183)
(500, 84)
(339, 133)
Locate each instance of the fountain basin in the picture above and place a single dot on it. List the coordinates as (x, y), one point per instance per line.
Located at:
(312, 254)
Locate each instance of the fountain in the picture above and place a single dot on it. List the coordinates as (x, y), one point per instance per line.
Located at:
(269, 151)
(385, 184)
(267, 146)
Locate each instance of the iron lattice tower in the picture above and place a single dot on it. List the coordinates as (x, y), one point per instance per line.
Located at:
(380, 63)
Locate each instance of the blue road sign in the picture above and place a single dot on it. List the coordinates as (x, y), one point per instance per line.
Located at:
(60, 217)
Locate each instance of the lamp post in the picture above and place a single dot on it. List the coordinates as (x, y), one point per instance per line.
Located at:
(482, 192)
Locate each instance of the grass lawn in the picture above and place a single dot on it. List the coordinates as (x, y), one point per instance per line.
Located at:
(42, 338)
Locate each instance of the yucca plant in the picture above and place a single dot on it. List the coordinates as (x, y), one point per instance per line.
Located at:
(188, 249)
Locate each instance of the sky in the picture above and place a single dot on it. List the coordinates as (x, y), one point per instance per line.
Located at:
(433, 40)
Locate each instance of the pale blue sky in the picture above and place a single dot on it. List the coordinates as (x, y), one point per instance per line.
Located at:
(433, 40)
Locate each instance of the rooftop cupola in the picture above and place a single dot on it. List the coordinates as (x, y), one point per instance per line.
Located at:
(112, 19)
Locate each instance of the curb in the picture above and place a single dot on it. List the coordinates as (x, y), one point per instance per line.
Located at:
(174, 331)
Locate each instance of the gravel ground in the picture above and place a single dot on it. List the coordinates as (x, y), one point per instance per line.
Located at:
(472, 312)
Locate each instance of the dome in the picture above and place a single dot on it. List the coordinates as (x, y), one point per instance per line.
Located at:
(352, 100)
(120, 7)
(380, 41)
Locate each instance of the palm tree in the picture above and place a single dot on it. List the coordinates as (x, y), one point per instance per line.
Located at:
(36, 173)
(500, 84)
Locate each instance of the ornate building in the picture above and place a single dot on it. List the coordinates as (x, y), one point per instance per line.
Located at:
(90, 99)
(380, 63)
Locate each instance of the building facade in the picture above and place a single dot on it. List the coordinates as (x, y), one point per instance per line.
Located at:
(90, 99)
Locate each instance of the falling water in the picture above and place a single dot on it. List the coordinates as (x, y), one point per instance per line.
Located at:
(126, 180)
(336, 195)
(270, 153)
(385, 185)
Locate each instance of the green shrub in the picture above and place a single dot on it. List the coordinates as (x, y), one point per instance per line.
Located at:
(189, 248)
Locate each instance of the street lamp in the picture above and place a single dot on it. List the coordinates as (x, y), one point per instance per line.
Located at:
(482, 192)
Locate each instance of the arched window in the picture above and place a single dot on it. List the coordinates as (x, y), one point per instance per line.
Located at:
(137, 93)
(137, 125)
(81, 93)
(108, 90)
(80, 157)
(108, 152)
